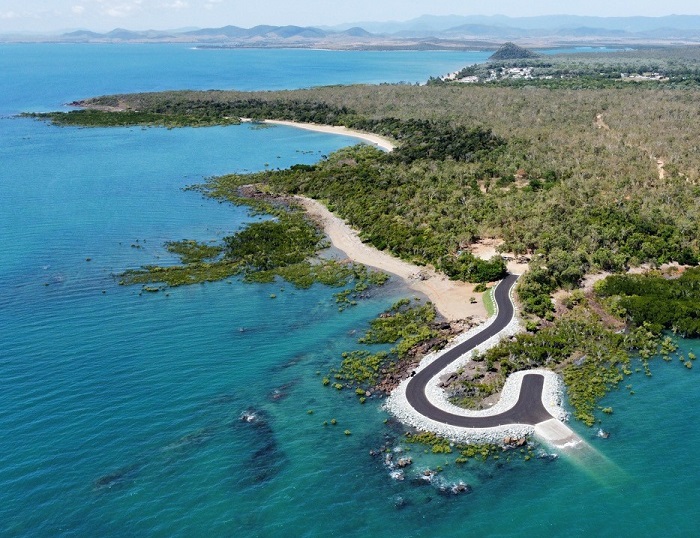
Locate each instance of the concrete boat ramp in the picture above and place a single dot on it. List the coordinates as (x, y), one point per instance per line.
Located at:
(557, 434)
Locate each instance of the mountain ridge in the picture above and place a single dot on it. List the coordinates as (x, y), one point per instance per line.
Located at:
(444, 31)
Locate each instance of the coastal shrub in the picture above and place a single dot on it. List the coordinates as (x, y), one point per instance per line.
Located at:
(660, 302)
(362, 367)
(535, 288)
(478, 451)
(403, 324)
(473, 392)
(180, 275)
(605, 358)
(589, 382)
(191, 251)
(437, 444)
(100, 118)
(469, 268)
(432, 139)
(270, 244)
(261, 252)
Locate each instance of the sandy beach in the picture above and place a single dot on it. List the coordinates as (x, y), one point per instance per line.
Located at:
(376, 140)
(450, 298)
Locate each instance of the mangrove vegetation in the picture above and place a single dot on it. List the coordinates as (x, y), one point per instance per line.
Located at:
(285, 246)
(405, 325)
(661, 301)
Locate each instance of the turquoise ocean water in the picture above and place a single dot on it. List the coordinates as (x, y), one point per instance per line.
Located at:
(121, 413)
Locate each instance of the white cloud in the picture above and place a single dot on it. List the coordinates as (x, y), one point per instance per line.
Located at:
(78, 10)
(123, 9)
(178, 4)
(7, 15)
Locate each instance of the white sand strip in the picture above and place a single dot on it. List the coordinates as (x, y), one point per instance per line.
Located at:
(376, 140)
(451, 298)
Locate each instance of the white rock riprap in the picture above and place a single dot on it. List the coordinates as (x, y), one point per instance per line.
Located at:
(397, 403)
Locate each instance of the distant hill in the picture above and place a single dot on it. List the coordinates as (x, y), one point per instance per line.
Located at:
(356, 31)
(511, 51)
(82, 34)
(228, 31)
(125, 35)
(484, 31)
(236, 32)
(297, 31)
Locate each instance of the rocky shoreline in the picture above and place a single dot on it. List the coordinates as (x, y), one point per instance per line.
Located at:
(391, 379)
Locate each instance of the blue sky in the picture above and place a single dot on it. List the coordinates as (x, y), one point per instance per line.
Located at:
(100, 15)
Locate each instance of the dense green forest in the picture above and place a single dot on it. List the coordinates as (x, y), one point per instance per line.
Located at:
(119, 118)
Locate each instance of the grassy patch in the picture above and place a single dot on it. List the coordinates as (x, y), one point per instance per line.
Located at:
(489, 302)
(180, 275)
(402, 325)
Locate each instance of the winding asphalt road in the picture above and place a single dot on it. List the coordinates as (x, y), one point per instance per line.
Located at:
(527, 410)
